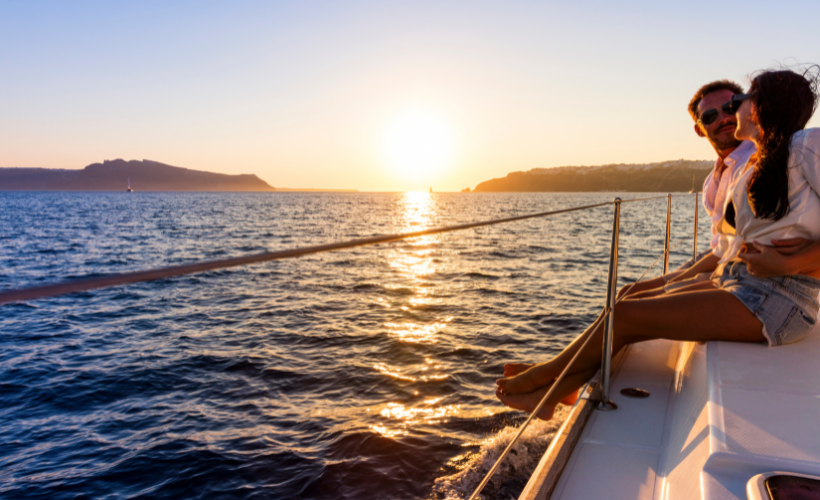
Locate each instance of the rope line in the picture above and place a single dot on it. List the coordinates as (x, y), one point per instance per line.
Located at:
(550, 391)
(109, 280)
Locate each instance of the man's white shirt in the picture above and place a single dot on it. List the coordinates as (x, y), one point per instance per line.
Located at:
(716, 188)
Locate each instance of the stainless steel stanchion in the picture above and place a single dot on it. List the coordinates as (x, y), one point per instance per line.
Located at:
(668, 233)
(695, 244)
(611, 294)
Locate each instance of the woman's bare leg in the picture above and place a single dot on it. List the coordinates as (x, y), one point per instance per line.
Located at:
(643, 289)
(719, 316)
(511, 369)
(540, 378)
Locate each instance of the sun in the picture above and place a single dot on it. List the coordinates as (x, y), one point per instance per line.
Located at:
(418, 145)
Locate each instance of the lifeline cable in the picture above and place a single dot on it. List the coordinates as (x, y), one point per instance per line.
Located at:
(84, 284)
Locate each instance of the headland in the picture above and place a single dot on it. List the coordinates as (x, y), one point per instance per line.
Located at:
(668, 176)
(113, 175)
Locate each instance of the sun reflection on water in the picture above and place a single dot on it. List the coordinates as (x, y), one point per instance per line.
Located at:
(414, 261)
(428, 414)
(415, 319)
(398, 418)
(416, 333)
(394, 372)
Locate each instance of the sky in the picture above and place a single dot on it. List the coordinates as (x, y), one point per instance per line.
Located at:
(376, 96)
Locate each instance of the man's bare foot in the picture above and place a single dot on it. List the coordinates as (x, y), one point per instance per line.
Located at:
(527, 402)
(511, 369)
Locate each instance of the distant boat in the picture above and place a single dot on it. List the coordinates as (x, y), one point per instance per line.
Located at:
(693, 185)
(128, 188)
(431, 189)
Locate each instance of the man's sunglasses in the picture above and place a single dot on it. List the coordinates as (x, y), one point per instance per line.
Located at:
(710, 115)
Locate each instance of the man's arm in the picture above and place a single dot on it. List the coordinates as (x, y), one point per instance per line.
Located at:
(784, 257)
(705, 265)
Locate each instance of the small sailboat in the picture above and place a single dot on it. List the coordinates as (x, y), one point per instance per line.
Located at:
(431, 189)
(128, 188)
(693, 185)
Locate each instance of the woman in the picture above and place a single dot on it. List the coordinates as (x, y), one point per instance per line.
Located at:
(775, 197)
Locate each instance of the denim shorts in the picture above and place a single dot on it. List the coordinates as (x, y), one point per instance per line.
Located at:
(786, 305)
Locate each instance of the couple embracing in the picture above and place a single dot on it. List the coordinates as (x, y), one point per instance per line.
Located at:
(760, 279)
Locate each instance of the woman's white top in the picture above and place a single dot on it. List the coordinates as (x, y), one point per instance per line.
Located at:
(803, 219)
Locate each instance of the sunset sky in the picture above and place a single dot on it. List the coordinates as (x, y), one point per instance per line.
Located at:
(376, 96)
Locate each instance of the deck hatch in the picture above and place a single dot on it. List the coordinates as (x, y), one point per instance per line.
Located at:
(784, 487)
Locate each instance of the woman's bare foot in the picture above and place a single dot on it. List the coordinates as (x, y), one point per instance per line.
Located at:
(511, 369)
(527, 402)
(519, 384)
(572, 398)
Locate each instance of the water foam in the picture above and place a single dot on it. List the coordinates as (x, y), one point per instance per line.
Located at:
(513, 473)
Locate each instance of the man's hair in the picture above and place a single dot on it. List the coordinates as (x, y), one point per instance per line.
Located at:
(708, 89)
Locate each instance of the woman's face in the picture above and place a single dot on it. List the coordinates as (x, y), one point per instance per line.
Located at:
(747, 128)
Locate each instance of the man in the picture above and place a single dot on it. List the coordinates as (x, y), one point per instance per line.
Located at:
(709, 109)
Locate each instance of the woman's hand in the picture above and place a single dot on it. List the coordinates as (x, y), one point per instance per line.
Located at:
(764, 261)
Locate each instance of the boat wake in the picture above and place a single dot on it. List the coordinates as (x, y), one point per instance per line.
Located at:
(514, 472)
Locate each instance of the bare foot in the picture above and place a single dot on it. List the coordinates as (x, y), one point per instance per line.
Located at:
(572, 398)
(527, 402)
(518, 384)
(511, 369)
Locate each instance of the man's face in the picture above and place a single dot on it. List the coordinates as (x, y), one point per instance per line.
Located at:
(721, 132)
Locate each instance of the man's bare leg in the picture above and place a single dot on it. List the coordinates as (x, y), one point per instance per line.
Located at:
(641, 286)
(700, 285)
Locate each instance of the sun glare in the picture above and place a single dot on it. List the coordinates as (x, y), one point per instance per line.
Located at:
(418, 145)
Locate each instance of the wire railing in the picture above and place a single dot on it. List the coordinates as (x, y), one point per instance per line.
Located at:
(109, 280)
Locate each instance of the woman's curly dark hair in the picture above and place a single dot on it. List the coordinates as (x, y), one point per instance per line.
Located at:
(783, 104)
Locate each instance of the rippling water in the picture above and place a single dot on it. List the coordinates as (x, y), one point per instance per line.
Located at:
(365, 373)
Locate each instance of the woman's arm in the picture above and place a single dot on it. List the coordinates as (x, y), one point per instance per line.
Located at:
(797, 255)
(705, 265)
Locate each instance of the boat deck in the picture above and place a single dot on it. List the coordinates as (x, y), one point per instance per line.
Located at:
(717, 415)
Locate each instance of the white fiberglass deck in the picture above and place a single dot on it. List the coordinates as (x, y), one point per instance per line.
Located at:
(717, 415)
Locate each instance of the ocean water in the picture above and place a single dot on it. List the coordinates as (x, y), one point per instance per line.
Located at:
(365, 373)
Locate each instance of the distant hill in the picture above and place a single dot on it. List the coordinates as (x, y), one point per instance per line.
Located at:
(668, 176)
(145, 175)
